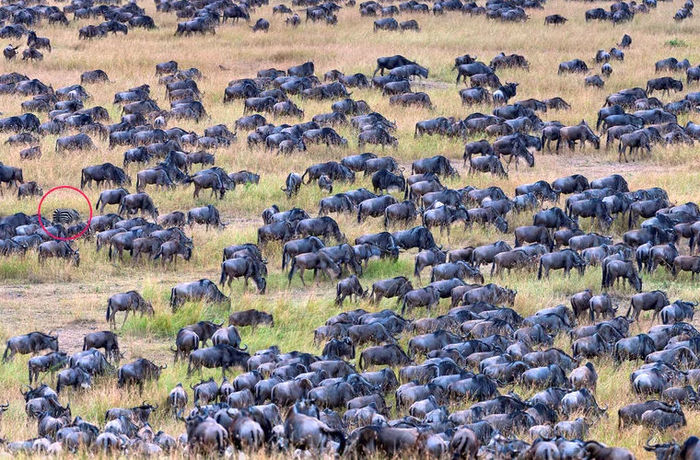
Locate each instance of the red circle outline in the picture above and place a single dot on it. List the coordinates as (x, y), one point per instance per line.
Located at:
(87, 225)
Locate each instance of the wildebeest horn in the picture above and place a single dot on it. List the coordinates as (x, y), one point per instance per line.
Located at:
(171, 349)
(5, 406)
(163, 367)
(243, 349)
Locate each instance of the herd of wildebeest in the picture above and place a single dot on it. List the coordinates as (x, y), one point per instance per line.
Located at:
(451, 376)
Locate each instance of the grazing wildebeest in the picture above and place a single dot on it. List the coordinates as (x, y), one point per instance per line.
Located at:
(79, 141)
(207, 215)
(322, 227)
(105, 172)
(613, 270)
(138, 372)
(250, 318)
(664, 84)
(347, 288)
(487, 163)
(245, 267)
(203, 290)
(315, 261)
(635, 141)
(565, 259)
(405, 211)
(126, 302)
(33, 343)
(292, 184)
(103, 339)
(581, 132)
(59, 249)
(110, 197)
(134, 202)
(392, 287)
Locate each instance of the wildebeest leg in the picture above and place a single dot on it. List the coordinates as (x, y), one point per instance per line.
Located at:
(301, 275)
(125, 316)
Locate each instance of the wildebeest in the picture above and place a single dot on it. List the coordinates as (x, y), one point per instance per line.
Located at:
(75, 142)
(126, 302)
(105, 172)
(391, 62)
(663, 84)
(315, 261)
(222, 355)
(59, 249)
(110, 197)
(134, 202)
(615, 269)
(565, 259)
(207, 215)
(250, 318)
(33, 343)
(138, 372)
(203, 290)
(103, 339)
(390, 354)
(245, 267)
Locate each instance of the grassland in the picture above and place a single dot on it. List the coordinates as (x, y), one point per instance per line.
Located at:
(72, 300)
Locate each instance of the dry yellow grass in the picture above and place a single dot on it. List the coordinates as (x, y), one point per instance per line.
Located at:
(72, 300)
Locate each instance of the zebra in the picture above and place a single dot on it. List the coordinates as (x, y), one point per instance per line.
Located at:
(65, 216)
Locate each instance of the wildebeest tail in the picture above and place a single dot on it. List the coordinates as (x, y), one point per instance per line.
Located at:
(539, 271)
(99, 200)
(82, 179)
(109, 311)
(223, 276)
(292, 269)
(339, 437)
(605, 275)
(173, 298)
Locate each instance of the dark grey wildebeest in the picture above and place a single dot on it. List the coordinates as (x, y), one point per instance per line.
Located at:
(78, 142)
(134, 202)
(105, 172)
(113, 196)
(33, 343)
(207, 215)
(126, 302)
(203, 290)
(315, 261)
(565, 259)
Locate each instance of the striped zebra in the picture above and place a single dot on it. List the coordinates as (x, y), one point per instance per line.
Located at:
(65, 216)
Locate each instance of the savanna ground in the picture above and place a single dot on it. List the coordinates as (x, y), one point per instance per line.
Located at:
(71, 301)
